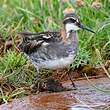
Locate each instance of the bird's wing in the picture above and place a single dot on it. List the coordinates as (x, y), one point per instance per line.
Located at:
(40, 36)
(32, 41)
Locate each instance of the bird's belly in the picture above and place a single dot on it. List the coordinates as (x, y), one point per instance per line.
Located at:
(57, 63)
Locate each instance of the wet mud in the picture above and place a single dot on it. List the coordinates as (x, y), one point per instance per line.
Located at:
(86, 97)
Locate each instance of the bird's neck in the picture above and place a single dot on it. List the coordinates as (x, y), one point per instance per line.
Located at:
(71, 35)
(72, 41)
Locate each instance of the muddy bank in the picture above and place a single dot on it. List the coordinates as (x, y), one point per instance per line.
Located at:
(85, 97)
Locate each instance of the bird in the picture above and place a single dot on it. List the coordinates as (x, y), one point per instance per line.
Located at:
(54, 50)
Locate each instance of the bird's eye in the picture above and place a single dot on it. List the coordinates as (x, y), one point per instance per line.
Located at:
(73, 20)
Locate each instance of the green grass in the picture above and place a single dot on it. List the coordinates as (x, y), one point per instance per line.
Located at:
(32, 15)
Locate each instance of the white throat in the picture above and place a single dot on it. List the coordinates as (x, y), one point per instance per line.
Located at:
(71, 26)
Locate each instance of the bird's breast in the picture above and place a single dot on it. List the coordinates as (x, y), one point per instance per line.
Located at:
(56, 63)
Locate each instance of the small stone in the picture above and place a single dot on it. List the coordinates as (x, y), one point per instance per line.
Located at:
(53, 85)
(96, 4)
(80, 3)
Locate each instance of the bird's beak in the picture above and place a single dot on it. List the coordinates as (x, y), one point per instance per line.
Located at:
(86, 28)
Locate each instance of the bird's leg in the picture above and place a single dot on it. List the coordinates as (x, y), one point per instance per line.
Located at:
(68, 73)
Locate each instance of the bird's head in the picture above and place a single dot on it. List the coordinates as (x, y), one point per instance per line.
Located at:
(72, 22)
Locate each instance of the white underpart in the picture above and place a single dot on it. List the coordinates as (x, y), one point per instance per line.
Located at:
(56, 64)
(71, 26)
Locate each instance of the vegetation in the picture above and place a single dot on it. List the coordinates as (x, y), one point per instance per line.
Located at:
(42, 15)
